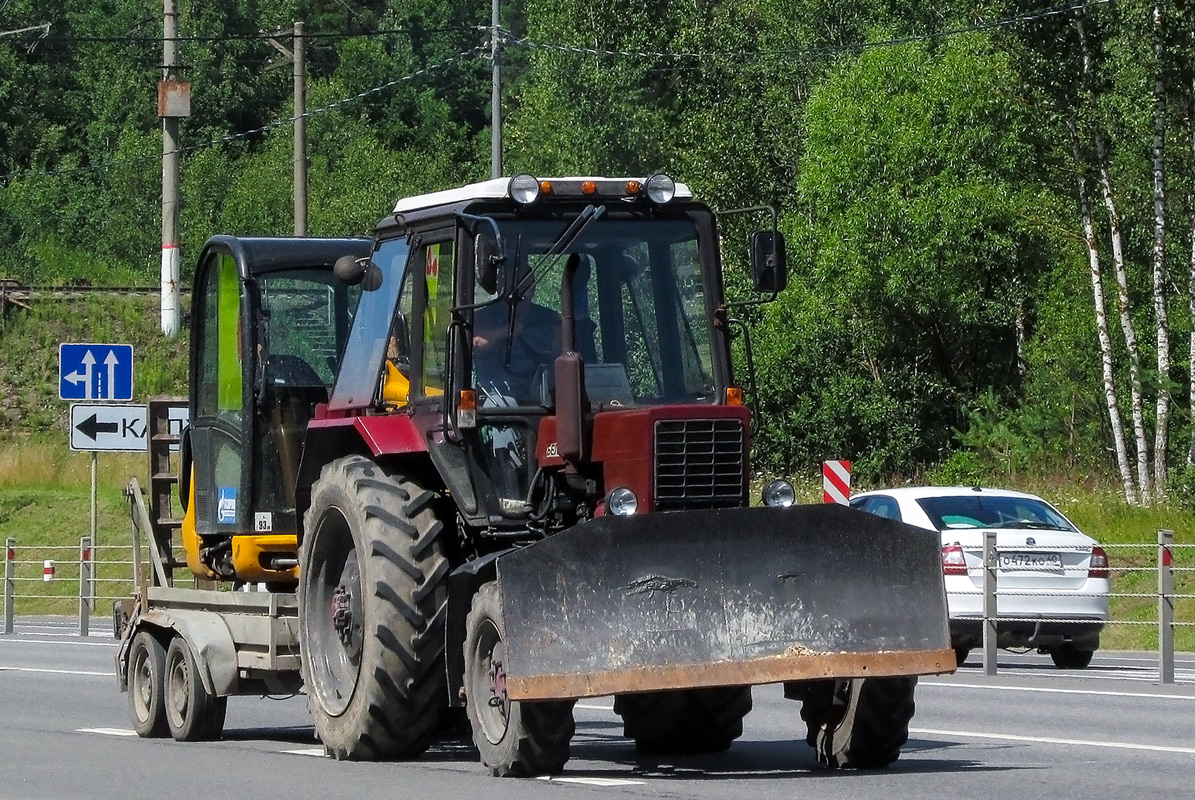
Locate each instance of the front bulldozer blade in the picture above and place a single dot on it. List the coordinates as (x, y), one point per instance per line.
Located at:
(724, 597)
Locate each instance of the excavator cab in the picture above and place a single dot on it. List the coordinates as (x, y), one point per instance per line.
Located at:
(269, 324)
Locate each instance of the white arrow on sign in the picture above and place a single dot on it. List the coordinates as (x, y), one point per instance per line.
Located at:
(88, 363)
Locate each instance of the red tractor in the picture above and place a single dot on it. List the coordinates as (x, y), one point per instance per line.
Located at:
(501, 455)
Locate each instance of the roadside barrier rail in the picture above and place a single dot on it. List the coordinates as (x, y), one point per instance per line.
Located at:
(1153, 584)
(1166, 601)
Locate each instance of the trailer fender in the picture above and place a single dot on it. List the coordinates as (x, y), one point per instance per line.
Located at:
(210, 642)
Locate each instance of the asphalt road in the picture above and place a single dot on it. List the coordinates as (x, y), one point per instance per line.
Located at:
(1109, 732)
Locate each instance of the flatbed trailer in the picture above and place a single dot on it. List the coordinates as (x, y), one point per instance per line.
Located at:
(210, 640)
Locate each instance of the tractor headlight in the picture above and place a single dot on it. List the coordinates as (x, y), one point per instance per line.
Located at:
(779, 494)
(660, 188)
(622, 502)
(524, 189)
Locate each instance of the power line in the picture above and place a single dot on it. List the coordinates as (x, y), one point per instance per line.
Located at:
(259, 36)
(527, 43)
(253, 132)
(742, 55)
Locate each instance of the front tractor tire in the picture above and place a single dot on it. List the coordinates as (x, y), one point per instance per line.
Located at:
(860, 723)
(515, 739)
(686, 720)
(372, 597)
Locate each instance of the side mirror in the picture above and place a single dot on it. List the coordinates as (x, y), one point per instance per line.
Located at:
(352, 271)
(769, 265)
(487, 255)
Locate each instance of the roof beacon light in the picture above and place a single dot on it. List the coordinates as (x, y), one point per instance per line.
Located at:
(660, 188)
(524, 189)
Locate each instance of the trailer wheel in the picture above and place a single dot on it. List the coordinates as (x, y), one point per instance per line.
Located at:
(860, 723)
(684, 721)
(193, 714)
(147, 671)
(514, 738)
(372, 596)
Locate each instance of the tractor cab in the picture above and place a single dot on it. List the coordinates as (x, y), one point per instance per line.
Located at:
(269, 323)
(536, 337)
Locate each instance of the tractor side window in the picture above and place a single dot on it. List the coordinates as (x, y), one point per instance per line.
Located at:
(396, 380)
(302, 332)
(437, 271)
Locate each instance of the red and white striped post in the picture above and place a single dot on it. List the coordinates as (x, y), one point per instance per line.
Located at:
(836, 482)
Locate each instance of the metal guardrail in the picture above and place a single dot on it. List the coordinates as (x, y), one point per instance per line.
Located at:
(1156, 558)
(68, 579)
(108, 574)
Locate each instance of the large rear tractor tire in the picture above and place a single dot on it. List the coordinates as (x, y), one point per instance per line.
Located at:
(147, 686)
(860, 723)
(372, 598)
(684, 721)
(193, 714)
(515, 739)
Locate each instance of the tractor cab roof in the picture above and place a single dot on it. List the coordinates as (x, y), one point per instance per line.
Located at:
(526, 189)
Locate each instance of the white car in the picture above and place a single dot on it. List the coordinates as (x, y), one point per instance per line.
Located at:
(1052, 581)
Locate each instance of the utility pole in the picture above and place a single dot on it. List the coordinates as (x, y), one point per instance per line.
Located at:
(495, 97)
(174, 103)
(300, 155)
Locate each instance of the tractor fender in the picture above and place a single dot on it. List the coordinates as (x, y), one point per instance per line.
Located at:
(210, 641)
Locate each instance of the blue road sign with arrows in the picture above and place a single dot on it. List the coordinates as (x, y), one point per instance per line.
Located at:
(95, 372)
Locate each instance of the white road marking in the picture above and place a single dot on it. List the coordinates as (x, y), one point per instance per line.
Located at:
(318, 752)
(23, 640)
(1003, 688)
(1157, 748)
(108, 731)
(590, 781)
(58, 671)
(594, 707)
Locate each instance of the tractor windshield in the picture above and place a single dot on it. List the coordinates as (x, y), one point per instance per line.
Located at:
(642, 316)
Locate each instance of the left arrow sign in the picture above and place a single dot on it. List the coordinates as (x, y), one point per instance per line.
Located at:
(90, 427)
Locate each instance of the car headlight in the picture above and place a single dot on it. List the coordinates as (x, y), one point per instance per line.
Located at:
(622, 502)
(779, 494)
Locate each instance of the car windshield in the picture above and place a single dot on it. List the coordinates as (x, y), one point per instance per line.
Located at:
(989, 511)
(642, 320)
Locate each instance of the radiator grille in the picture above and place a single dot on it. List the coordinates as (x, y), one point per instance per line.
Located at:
(699, 464)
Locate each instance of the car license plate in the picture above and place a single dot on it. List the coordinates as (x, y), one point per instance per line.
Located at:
(1020, 560)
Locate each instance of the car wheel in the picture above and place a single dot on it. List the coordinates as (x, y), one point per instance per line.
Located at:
(1068, 657)
(960, 655)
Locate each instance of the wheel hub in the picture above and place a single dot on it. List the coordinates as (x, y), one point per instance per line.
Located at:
(342, 613)
(498, 698)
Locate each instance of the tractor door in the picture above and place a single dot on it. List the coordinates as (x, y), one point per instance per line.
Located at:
(220, 394)
(269, 324)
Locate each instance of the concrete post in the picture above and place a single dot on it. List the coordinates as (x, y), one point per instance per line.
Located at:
(990, 608)
(85, 585)
(10, 557)
(1165, 607)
